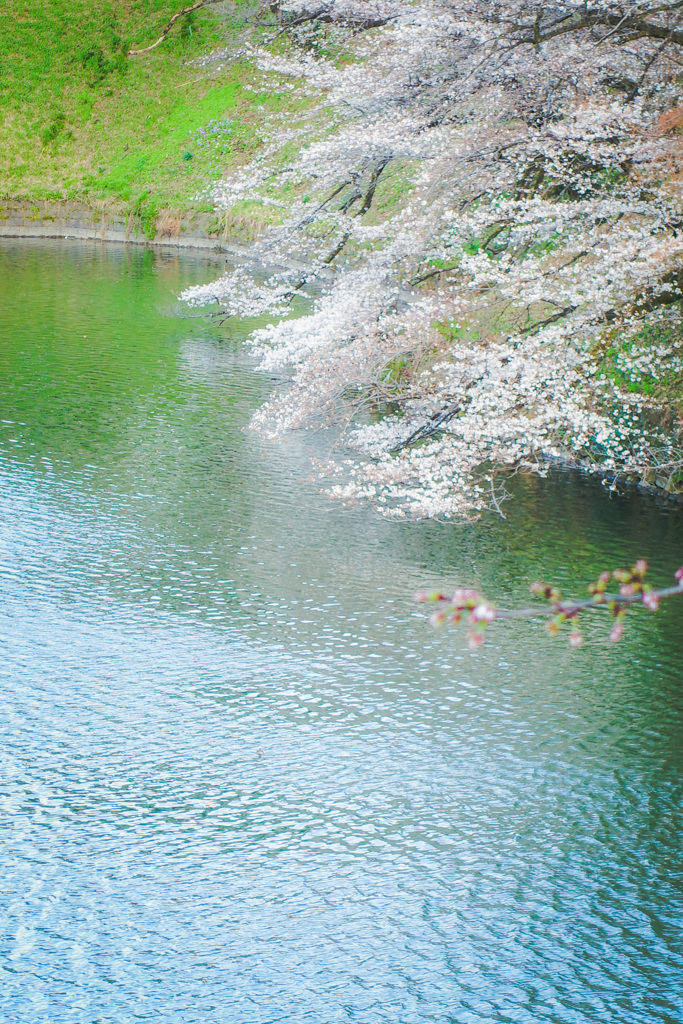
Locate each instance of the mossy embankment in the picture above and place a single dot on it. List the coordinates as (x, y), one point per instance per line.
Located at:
(83, 125)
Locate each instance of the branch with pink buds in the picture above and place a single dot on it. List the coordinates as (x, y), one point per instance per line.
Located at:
(479, 613)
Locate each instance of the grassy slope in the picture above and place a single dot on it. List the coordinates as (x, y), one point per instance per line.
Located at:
(79, 120)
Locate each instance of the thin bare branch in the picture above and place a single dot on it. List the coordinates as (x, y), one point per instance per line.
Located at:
(176, 17)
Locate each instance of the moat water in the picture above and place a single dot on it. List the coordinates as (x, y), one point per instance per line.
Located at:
(241, 780)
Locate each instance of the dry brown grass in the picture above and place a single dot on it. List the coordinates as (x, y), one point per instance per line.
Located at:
(246, 225)
(670, 121)
(167, 226)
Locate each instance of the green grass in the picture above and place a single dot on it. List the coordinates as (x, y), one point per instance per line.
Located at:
(81, 120)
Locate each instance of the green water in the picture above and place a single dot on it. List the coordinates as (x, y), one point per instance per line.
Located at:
(241, 781)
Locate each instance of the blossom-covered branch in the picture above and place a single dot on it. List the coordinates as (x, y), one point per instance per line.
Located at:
(485, 199)
(479, 613)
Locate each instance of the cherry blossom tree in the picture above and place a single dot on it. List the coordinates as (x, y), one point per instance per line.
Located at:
(477, 261)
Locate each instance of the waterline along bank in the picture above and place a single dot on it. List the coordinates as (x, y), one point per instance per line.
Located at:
(78, 221)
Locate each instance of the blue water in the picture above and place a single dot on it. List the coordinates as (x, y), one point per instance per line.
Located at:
(242, 782)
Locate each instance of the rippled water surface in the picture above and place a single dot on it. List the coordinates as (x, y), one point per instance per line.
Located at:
(241, 781)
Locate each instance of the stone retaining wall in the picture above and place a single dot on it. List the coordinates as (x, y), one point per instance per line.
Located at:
(66, 219)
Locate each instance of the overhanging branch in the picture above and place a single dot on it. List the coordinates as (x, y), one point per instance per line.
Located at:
(176, 17)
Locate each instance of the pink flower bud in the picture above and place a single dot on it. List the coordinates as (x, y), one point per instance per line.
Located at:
(617, 632)
(475, 639)
(651, 600)
(461, 598)
(429, 595)
(576, 639)
(483, 613)
(600, 584)
(678, 575)
(640, 567)
(627, 590)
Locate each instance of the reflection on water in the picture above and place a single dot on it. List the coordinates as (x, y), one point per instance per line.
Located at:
(241, 782)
